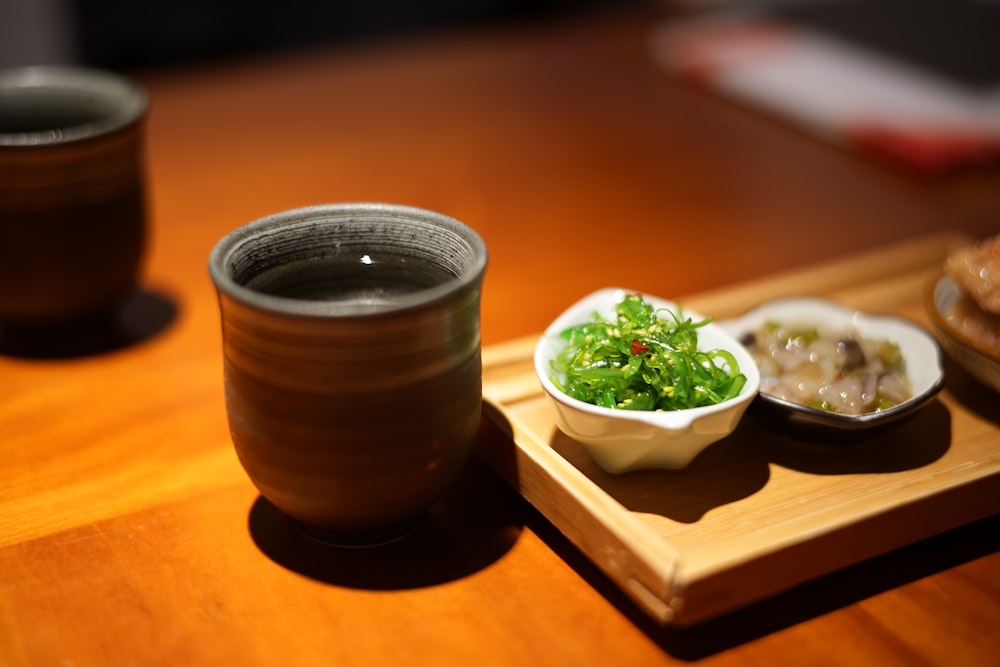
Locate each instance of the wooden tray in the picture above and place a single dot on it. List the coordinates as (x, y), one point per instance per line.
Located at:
(762, 510)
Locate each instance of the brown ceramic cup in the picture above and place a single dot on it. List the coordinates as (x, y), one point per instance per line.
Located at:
(352, 369)
(72, 202)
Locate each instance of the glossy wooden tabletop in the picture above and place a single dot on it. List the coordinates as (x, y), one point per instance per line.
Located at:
(129, 534)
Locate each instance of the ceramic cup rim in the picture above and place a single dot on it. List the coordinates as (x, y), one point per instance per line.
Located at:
(126, 101)
(236, 240)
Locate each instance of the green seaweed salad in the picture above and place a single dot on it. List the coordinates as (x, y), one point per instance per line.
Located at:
(644, 359)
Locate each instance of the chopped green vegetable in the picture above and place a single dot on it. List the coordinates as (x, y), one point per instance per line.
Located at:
(642, 361)
(891, 356)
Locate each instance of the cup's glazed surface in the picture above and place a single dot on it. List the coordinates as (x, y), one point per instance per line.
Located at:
(72, 192)
(352, 367)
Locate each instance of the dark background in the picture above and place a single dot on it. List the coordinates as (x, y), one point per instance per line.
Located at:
(959, 39)
(127, 34)
(956, 39)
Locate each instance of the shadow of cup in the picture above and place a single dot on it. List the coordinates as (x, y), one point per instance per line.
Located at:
(72, 193)
(352, 362)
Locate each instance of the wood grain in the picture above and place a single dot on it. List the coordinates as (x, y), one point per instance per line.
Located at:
(763, 510)
(129, 534)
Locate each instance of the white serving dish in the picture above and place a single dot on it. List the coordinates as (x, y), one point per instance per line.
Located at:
(920, 351)
(623, 440)
(975, 357)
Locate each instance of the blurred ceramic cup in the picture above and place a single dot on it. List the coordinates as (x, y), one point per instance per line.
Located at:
(351, 350)
(72, 202)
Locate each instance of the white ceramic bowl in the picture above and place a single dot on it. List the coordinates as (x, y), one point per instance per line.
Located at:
(623, 440)
(979, 360)
(920, 351)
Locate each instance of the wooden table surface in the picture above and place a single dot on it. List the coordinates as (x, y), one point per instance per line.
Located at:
(129, 534)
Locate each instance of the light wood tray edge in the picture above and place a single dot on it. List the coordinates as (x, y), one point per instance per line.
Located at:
(620, 544)
(845, 275)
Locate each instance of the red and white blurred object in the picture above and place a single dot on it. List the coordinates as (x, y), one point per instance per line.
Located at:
(836, 89)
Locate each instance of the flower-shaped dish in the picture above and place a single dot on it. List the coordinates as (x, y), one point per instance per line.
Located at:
(623, 440)
(920, 350)
(941, 298)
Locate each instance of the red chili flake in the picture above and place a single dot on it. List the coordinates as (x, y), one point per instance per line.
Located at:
(638, 347)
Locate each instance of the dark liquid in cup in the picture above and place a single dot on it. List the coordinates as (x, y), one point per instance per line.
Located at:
(20, 121)
(373, 279)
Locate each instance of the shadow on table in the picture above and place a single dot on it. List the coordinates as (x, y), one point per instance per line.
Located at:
(919, 441)
(141, 317)
(910, 445)
(970, 392)
(464, 533)
(810, 600)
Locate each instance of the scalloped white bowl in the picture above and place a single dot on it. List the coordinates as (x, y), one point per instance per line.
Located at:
(623, 440)
(920, 350)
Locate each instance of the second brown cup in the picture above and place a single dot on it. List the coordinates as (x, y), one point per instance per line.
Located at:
(72, 193)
